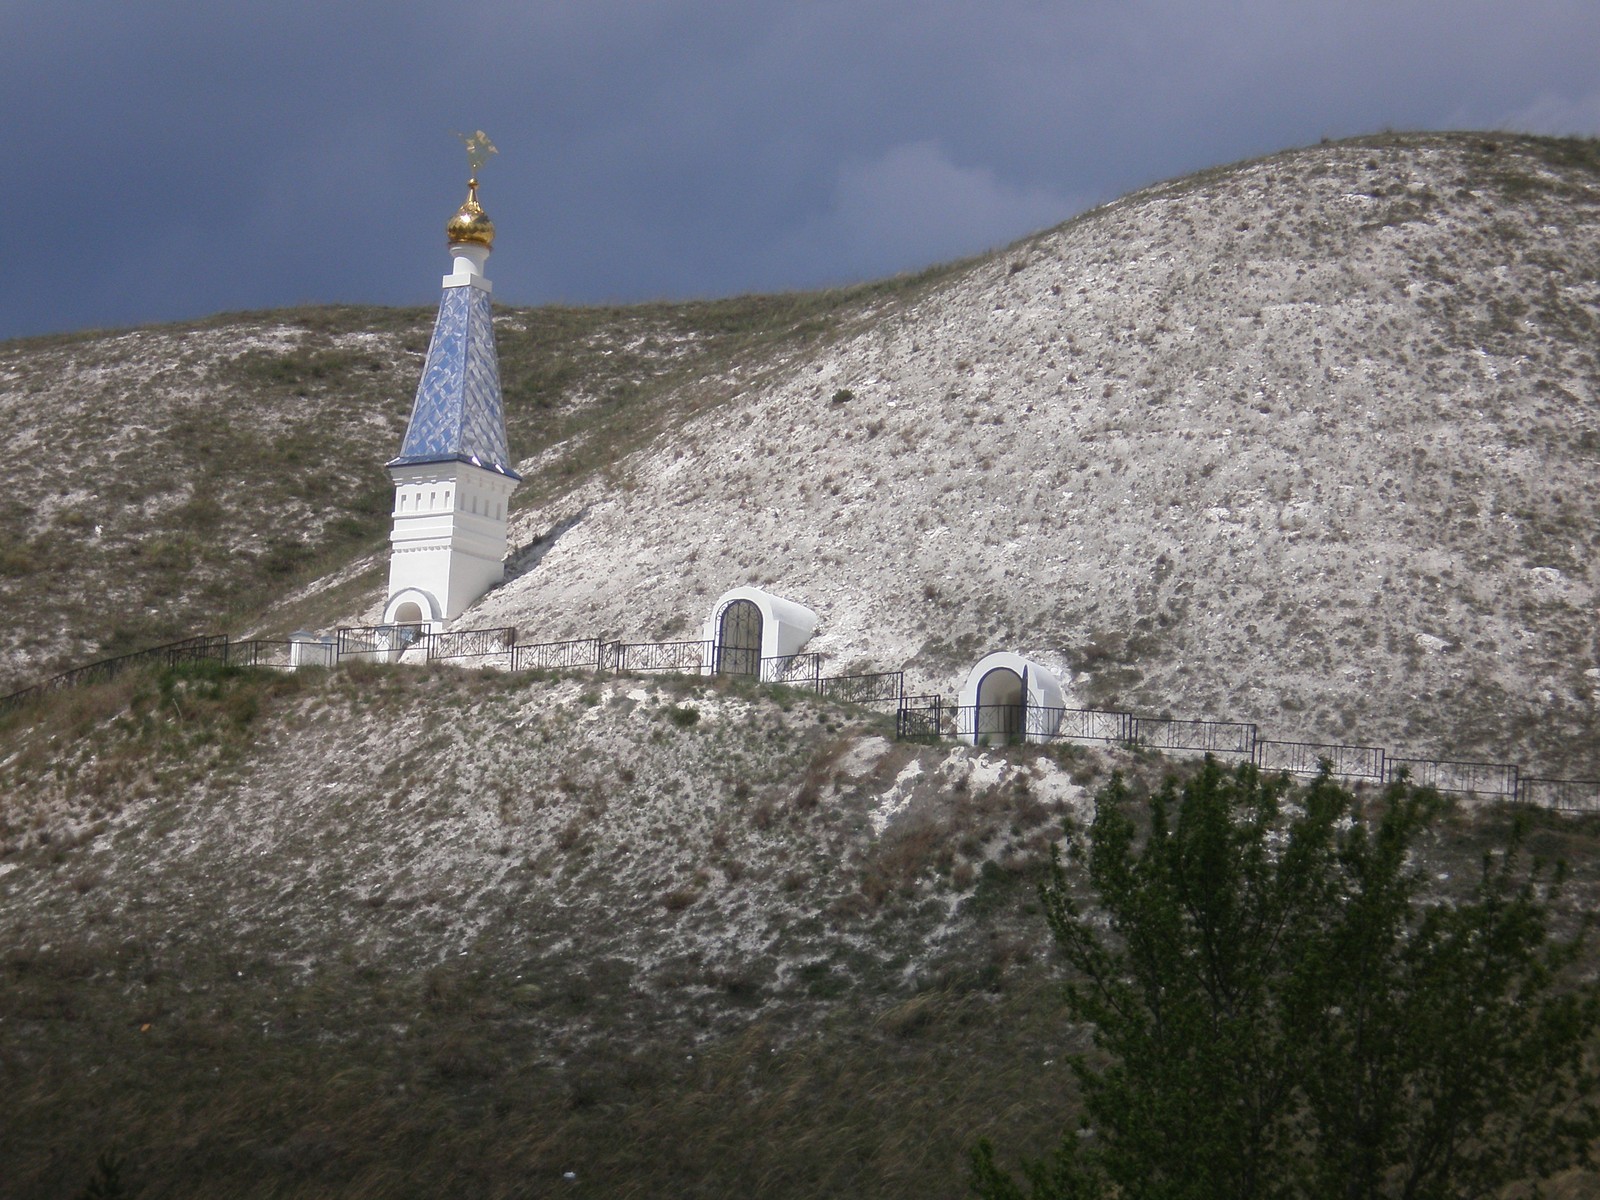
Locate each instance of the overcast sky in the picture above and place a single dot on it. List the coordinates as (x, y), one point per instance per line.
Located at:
(171, 160)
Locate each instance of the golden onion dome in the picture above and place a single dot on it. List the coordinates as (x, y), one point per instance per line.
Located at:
(471, 225)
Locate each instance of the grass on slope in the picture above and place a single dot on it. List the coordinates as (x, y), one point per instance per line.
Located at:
(219, 1068)
(186, 478)
(228, 1077)
(232, 1067)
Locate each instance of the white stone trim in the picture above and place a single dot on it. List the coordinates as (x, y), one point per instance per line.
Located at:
(425, 601)
(437, 543)
(468, 266)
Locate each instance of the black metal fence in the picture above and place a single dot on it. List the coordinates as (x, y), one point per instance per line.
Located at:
(1306, 758)
(1568, 795)
(169, 654)
(1090, 724)
(645, 658)
(1210, 737)
(920, 718)
(474, 643)
(252, 652)
(376, 643)
(796, 670)
(1002, 724)
(579, 654)
(999, 724)
(1474, 778)
(929, 717)
(262, 652)
(925, 717)
(877, 687)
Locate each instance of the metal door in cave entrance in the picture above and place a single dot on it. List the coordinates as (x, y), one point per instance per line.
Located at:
(739, 640)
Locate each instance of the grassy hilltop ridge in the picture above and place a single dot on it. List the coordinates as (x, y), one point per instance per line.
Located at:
(191, 477)
(1309, 441)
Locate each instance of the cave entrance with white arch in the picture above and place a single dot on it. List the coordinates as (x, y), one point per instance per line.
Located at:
(750, 630)
(1007, 698)
(737, 650)
(1002, 705)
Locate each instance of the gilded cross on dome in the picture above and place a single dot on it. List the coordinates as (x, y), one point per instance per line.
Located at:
(479, 148)
(471, 225)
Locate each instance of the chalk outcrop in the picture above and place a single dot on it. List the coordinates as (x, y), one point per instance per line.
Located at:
(1312, 441)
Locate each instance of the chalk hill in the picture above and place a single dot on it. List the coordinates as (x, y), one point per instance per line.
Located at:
(1310, 440)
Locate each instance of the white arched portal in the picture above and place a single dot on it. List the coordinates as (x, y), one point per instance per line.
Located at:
(412, 606)
(410, 613)
(1008, 698)
(747, 625)
(1001, 711)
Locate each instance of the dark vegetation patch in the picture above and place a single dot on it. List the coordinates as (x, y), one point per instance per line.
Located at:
(214, 1056)
(214, 1076)
(902, 1003)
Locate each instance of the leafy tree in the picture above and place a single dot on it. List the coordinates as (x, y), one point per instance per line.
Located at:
(1282, 1008)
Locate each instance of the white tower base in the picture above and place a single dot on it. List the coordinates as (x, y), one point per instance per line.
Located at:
(448, 541)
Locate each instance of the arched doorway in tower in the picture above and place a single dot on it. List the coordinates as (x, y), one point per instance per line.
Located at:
(412, 608)
(738, 643)
(408, 613)
(406, 628)
(1002, 706)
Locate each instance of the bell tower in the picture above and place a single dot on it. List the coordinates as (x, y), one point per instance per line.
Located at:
(453, 478)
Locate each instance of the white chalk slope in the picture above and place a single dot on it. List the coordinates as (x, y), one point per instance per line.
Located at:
(1310, 441)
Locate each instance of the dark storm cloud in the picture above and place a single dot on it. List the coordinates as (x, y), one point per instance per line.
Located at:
(166, 160)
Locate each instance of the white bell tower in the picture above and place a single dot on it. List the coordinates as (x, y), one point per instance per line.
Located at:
(453, 478)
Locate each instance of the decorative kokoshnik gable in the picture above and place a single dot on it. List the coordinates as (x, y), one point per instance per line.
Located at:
(453, 477)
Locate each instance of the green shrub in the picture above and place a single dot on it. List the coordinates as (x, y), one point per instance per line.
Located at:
(683, 716)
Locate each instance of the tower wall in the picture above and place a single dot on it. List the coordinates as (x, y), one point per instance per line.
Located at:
(449, 533)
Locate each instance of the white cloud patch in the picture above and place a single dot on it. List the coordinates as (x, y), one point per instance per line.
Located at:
(912, 207)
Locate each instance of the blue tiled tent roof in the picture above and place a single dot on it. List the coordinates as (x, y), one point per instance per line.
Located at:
(458, 414)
